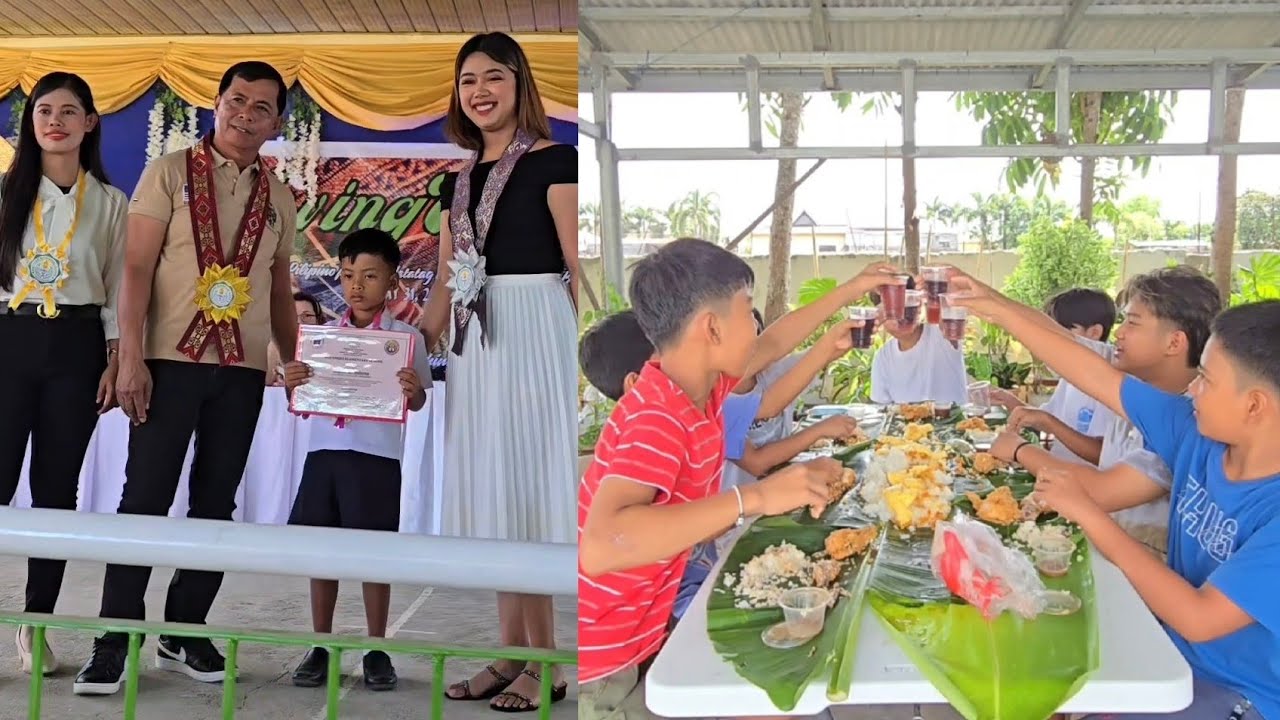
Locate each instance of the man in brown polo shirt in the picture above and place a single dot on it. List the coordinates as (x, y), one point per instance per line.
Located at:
(206, 286)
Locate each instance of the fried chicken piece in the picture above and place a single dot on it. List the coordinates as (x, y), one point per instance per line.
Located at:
(843, 484)
(825, 572)
(997, 508)
(847, 542)
(916, 432)
(984, 463)
(921, 411)
(975, 423)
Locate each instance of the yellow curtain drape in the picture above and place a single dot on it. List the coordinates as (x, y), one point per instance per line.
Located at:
(381, 82)
(6, 155)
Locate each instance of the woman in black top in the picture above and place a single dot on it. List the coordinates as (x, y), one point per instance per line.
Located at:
(508, 239)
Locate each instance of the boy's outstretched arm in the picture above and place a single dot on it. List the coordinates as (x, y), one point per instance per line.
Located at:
(624, 529)
(1043, 338)
(1198, 614)
(784, 336)
(780, 395)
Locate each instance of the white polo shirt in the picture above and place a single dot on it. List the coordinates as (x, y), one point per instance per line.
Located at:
(382, 439)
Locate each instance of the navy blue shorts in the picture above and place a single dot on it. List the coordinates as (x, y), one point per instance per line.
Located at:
(348, 489)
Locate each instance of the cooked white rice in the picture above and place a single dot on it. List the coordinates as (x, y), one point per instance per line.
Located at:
(764, 578)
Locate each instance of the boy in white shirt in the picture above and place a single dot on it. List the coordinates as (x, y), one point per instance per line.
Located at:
(1089, 315)
(351, 478)
(916, 365)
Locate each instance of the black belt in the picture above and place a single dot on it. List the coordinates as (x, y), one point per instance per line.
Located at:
(70, 312)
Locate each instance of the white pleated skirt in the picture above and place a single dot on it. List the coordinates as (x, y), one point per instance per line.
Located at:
(511, 418)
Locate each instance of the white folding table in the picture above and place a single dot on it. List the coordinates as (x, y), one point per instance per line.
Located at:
(1140, 670)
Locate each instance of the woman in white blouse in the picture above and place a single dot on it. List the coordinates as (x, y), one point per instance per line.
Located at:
(61, 249)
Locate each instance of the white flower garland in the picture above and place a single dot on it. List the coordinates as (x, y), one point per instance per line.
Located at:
(170, 130)
(155, 130)
(300, 159)
(310, 171)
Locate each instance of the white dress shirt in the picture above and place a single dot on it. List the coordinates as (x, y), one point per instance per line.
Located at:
(96, 255)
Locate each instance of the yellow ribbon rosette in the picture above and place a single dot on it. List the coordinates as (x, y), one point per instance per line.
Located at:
(222, 294)
(45, 269)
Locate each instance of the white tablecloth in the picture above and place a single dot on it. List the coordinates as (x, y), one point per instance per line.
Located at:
(274, 469)
(1140, 670)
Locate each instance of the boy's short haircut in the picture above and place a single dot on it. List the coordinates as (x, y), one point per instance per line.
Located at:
(1249, 335)
(1084, 307)
(759, 320)
(682, 277)
(370, 241)
(1181, 296)
(612, 349)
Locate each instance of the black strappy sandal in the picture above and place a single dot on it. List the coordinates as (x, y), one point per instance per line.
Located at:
(558, 693)
(503, 683)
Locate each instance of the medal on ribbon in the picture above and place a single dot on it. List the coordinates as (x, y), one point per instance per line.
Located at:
(469, 278)
(222, 292)
(45, 269)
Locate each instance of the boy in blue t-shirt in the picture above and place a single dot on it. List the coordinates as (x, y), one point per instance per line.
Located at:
(1219, 595)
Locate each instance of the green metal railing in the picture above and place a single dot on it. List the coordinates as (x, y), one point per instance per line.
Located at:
(335, 644)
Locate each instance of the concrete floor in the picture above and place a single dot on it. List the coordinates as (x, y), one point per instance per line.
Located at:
(440, 615)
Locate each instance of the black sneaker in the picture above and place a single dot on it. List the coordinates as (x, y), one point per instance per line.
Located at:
(314, 669)
(196, 658)
(101, 675)
(378, 672)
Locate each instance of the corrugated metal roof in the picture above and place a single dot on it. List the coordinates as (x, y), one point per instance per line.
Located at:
(913, 26)
(24, 18)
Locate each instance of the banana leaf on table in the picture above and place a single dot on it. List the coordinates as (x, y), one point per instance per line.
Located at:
(735, 632)
(1006, 669)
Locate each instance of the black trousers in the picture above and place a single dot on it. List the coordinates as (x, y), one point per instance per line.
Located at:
(220, 405)
(51, 373)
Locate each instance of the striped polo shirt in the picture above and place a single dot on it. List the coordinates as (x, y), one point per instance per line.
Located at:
(657, 437)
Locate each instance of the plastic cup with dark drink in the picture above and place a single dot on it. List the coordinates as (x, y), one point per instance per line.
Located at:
(893, 298)
(862, 334)
(933, 312)
(911, 312)
(937, 278)
(953, 321)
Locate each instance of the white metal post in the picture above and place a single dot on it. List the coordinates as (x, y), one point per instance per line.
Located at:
(1217, 103)
(611, 252)
(908, 108)
(753, 102)
(1063, 102)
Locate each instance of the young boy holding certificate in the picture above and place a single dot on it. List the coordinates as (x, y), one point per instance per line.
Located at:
(351, 477)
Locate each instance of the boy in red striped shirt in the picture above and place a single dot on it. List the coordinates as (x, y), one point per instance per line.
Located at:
(651, 493)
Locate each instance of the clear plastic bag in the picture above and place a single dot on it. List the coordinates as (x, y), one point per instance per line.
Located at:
(971, 560)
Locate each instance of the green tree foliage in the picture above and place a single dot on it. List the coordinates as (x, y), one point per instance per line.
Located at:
(1055, 257)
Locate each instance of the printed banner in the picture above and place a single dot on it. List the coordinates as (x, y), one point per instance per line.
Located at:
(392, 186)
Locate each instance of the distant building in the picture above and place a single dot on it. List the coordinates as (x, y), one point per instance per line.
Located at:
(809, 235)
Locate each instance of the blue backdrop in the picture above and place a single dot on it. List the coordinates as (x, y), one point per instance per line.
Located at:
(125, 136)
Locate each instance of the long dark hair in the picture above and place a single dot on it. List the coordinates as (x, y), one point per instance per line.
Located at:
(530, 115)
(22, 182)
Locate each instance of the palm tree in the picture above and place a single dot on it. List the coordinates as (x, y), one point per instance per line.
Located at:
(937, 211)
(645, 222)
(697, 214)
(589, 219)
